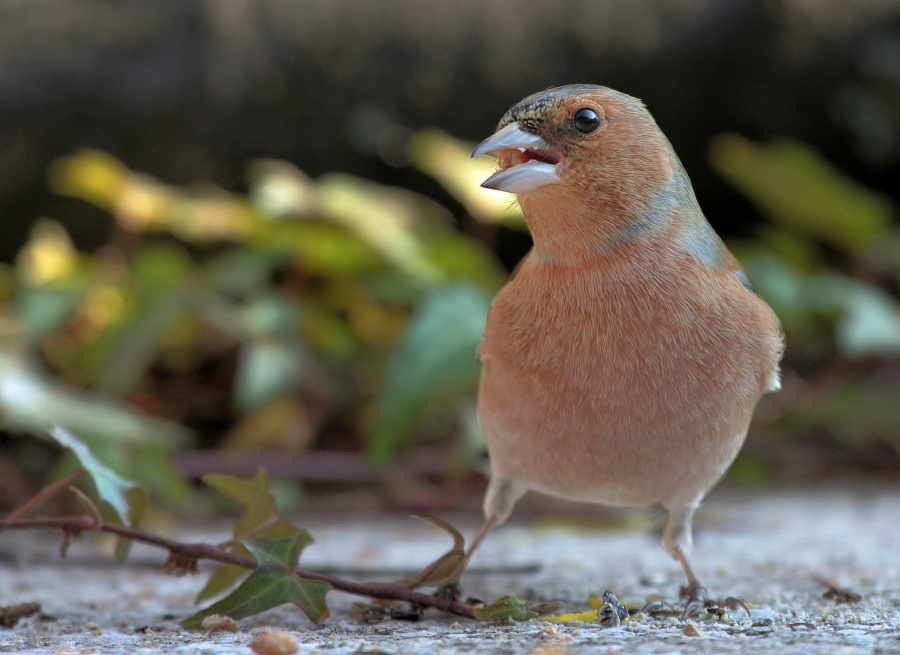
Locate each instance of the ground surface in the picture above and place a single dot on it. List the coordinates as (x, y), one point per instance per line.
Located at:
(772, 548)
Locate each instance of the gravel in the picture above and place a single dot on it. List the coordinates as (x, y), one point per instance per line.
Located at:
(777, 549)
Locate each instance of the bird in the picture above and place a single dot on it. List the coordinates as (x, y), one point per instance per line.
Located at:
(624, 358)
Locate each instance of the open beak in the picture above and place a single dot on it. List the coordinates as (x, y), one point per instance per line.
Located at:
(526, 163)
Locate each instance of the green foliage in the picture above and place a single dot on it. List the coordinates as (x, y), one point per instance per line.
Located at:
(340, 301)
(307, 286)
(433, 367)
(110, 486)
(127, 500)
(796, 187)
(828, 262)
(259, 519)
(450, 162)
(811, 203)
(272, 584)
(505, 609)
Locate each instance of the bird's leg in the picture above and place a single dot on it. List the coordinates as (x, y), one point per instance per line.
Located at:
(678, 539)
(479, 536)
(694, 596)
(501, 496)
(499, 500)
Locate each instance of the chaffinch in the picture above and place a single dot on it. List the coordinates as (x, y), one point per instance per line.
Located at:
(624, 358)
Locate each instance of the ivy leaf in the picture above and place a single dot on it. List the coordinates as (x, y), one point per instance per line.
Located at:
(271, 585)
(138, 500)
(111, 488)
(224, 577)
(508, 607)
(254, 495)
(260, 519)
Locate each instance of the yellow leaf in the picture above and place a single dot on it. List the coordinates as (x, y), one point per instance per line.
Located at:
(49, 255)
(590, 615)
(449, 161)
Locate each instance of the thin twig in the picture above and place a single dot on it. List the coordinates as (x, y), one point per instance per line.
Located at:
(198, 551)
(44, 494)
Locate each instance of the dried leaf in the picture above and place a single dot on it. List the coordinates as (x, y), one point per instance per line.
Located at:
(449, 567)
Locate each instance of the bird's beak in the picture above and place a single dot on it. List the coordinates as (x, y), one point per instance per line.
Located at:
(525, 160)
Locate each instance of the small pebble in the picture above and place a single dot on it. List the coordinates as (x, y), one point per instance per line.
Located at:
(549, 630)
(691, 630)
(274, 643)
(219, 622)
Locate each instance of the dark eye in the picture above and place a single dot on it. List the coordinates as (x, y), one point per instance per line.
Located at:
(586, 120)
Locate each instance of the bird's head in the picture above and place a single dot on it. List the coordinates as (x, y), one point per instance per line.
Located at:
(586, 153)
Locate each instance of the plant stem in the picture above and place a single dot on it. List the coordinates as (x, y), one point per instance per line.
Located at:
(198, 551)
(44, 494)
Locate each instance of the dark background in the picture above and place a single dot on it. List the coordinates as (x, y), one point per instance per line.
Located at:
(192, 91)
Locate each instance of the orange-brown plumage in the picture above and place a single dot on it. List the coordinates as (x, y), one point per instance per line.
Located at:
(625, 358)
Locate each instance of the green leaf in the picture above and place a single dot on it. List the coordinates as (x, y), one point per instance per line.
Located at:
(869, 323)
(259, 519)
(285, 552)
(224, 577)
(460, 256)
(254, 495)
(326, 249)
(508, 607)
(385, 218)
(268, 368)
(111, 488)
(281, 189)
(42, 310)
(30, 400)
(434, 365)
(798, 187)
(157, 298)
(271, 585)
(242, 272)
(227, 575)
(156, 301)
(138, 500)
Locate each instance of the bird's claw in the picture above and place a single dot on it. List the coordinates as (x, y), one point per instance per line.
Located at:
(450, 593)
(694, 598)
(657, 607)
(693, 602)
(734, 604)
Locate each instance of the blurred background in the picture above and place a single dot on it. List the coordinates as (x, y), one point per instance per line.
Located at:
(242, 233)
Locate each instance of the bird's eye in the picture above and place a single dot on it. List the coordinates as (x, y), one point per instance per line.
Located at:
(586, 120)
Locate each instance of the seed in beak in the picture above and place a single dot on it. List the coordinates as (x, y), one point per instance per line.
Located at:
(510, 158)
